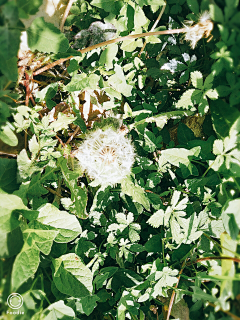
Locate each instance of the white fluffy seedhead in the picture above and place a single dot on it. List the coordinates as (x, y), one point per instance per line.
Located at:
(200, 30)
(106, 156)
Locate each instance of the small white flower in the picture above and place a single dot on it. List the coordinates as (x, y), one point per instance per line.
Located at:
(106, 156)
(200, 30)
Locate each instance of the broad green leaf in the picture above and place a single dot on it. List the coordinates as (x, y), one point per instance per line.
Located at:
(9, 68)
(67, 224)
(10, 243)
(135, 191)
(177, 156)
(25, 266)
(28, 7)
(198, 294)
(8, 175)
(45, 37)
(58, 310)
(223, 117)
(10, 206)
(184, 134)
(8, 136)
(107, 5)
(43, 239)
(193, 5)
(78, 194)
(71, 276)
(118, 81)
(108, 55)
(216, 13)
(86, 305)
(9, 42)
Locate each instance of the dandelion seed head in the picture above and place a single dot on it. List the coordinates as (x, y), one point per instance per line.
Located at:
(106, 156)
(200, 30)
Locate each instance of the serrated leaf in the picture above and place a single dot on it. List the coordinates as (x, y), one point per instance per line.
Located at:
(78, 194)
(67, 224)
(135, 191)
(156, 220)
(186, 99)
(45, 37)
(62, 122)
(71, 276)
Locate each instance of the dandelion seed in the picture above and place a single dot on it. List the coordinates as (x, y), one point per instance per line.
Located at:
(106, 156)
(200, 30)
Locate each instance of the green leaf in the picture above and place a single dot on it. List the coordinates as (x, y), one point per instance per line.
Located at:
(86, 305)
(9, 67)
(193, 5)
(231, 217)
(67, 224)
(118, 81)
(10, 206)
(58, 310)
(78, 194)
(176, 156)
(216, 13)
(28, 7)
(135, 191)
(107, 5)
(83, 82)
(108, 55)
(47, 94)
(11, 243)
(71, 276)
(184, 134)
(9, 42)
(45, 37)
(25, 266)
(8, 136)
(8, 175)
(223, 117)
(197, 79)
(156, 220)
(43, 239)
(62, 122)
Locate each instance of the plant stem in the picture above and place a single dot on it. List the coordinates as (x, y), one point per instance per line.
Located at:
(105, 43)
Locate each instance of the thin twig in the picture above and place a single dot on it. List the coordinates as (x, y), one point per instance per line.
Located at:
(227, 312)
(60, 140)
(73, 135)
(105, 43)
(69, 5)
(54, 192)
(12, 155)
(173, 293)
(214, 258)
(153, 27)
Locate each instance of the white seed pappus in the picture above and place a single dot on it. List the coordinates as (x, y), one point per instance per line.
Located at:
(106, 156)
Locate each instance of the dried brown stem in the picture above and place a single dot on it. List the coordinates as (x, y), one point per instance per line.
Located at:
(67, 10)
(73, 135)
(54, 192)
(105, 43)
(60, 141)
(173, 293)
(153, 27)
(214, 258)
